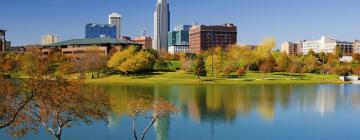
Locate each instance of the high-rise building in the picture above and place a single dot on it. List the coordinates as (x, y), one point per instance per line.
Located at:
(178, 39)
(180, 35)
(93, 30)
(2, 40)
(161, 26)
(204, 37)
(115, 19)
(49, 39)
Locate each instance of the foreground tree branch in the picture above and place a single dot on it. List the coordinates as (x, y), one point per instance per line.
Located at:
(149, 108)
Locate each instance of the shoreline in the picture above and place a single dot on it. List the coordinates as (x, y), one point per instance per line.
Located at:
(131, 80)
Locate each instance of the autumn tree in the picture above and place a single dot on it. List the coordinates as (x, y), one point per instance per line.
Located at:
(200, 69)
(322, 57)
(310, 63)
(332, 61)
(10, 62)
(187, 61)
(356, 70)
(215, 60)
(263, 51)
(67, 105)
(282, 62)
(52, 103)
(12, 104)
(132, 60)
(296, 66)
(240, 56)
(311, 52)
(95, 62)
(343, 69)
(150, 108)
(33, 62)
(268, 65)
(241, 71)
(356, 57)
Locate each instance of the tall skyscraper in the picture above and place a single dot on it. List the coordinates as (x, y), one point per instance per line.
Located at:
(115, 19)
(161, 26)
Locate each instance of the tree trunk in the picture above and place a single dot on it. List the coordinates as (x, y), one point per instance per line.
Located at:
(148, 127)
(58, 137)
(134, 129)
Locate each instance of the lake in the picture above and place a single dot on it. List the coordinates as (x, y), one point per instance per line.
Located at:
(231, 112)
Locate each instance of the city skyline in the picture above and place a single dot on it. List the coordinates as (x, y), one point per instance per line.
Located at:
(256, 19)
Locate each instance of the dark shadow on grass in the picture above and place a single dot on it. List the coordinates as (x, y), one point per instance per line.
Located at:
(230, 76)
(282, 74)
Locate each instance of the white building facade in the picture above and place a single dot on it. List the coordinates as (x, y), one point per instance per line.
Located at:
(179, 49)
(115, 19)
(161, 26)
(49, 39)
(356, 46)
(325, 44)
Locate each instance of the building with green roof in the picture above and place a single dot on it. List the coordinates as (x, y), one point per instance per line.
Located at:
(103, 45)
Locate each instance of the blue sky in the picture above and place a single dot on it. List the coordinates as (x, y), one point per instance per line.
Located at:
(286, 20)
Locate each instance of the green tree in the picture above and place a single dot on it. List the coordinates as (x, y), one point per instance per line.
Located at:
(322, 57)
(338, 51)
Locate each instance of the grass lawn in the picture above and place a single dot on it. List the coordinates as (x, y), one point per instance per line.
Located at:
(181, 77)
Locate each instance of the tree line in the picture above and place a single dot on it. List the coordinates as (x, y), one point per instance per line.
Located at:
(238, 60)
(217, 62)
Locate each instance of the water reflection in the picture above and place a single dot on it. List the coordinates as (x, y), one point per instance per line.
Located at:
(237, 106)
(224, 103)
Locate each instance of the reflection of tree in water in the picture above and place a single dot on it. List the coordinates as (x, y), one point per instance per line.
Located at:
(52, 103)
(224, 103)
(219, 103)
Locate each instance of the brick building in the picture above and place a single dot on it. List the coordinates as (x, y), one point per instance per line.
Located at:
(145, 41)
(204, 37)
